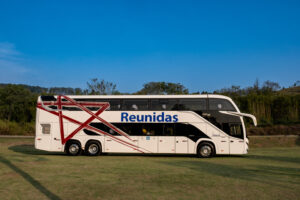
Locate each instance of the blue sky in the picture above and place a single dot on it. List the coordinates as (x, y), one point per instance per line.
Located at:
(205, 45)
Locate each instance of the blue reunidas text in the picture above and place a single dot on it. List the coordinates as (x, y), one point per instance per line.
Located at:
(162, 117)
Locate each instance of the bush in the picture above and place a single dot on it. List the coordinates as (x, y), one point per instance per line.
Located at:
(14, 128)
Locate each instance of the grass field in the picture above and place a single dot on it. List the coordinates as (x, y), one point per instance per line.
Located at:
(265, 173)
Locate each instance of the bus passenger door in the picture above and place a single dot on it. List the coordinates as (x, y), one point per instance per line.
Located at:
(236, 141)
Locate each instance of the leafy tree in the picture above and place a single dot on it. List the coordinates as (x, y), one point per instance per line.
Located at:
(233, 91)
(17, 103)
(33, 89)
(163, 88)
(102, 87)
(270, 86)
(78, 91)
(256, 86)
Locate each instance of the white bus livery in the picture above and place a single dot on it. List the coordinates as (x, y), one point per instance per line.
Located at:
(204, 125)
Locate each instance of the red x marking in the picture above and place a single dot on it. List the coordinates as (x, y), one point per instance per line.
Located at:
(103, 107)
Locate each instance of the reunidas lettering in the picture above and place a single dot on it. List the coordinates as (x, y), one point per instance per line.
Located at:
(162, 117)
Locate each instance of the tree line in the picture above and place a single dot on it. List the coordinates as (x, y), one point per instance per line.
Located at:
(270, 103)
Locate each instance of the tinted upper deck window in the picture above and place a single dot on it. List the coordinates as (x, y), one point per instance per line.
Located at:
(192, 104)
(135, 104)
(115, 104)
(220, 104)
(163, 104)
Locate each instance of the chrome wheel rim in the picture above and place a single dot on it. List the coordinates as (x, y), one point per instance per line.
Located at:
(74, 148)
(205, 151)
(93, 149)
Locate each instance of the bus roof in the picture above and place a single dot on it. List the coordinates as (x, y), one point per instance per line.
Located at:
(147, 96)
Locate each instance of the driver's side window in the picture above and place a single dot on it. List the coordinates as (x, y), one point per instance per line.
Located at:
(236, 130)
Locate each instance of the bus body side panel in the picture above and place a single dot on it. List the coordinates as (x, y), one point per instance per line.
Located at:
(220, 139)
(36, 128)
(43, 140)
(166, 144)
(113, 145)
(149, 143)
(192, 144)
(214, 134)
(237, 145)
(182, 143)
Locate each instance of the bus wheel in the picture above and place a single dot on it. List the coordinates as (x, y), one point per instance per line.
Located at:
(205, 150)
(93, 148)
(73, 148)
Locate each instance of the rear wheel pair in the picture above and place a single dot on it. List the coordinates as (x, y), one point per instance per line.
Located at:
(92, 148)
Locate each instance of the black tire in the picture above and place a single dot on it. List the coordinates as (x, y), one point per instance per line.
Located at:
(93, 148)
(205, 150)
(73, 148)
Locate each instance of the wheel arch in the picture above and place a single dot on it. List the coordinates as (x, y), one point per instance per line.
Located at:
(205, 140)
(93, 140)
(72, 141)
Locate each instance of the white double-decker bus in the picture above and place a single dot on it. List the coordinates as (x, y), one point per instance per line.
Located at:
(204, 125)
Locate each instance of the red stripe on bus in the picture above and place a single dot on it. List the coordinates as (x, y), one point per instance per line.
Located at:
(100, 119)
(104, 106)
(97, 130)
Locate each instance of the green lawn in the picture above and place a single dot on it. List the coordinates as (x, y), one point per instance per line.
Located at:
(265, 173)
